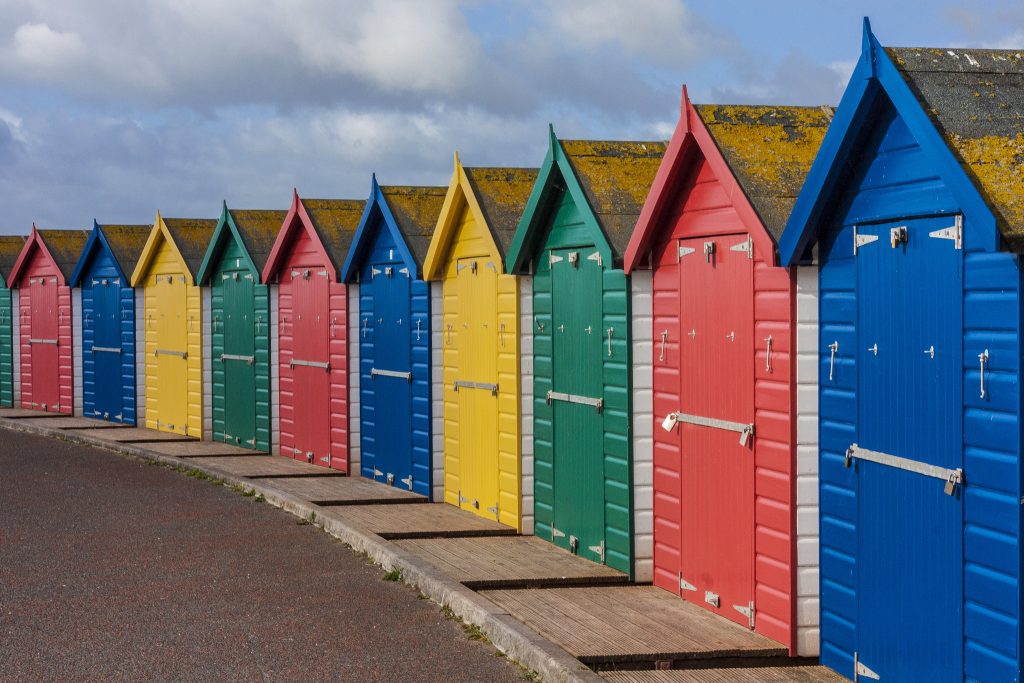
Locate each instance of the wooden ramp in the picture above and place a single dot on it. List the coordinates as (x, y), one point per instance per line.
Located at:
(25, 413)
(133, 435)
(634, 624)
(344, 491)
(418, 521)
(75, 423)
(264, 466)
(510, 562)
(199, 449)
(773, 674)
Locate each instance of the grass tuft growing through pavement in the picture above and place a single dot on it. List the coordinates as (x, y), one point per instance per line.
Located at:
(393, 575)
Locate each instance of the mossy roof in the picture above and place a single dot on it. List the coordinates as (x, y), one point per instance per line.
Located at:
(616, 177)
(65, 246)
(258, 229)
(975, 98)
(335, 221)
(126, 243)
(769, 149)
(192, 238)
(10, 248)
(416, 209)
(502, 194)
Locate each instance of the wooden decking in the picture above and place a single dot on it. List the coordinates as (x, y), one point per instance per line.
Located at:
(333, 491)
(773, 674)
(134, 435)
(264, 466)
(632, 624)
(418, 521)
(509, 562)
(199, 449)
(68, 422)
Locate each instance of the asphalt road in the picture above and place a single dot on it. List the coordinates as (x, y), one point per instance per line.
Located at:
(116, 570)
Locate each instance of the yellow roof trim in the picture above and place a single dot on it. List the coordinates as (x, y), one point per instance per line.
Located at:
(158, 235)
(460, 193)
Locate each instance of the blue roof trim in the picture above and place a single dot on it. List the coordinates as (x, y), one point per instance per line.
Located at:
(96, 240)
(362, 241)
(875, 74)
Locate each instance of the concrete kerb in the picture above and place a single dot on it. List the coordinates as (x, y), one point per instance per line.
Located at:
(510, 636)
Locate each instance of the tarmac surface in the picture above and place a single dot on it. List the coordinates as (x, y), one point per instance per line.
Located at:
(117, 570)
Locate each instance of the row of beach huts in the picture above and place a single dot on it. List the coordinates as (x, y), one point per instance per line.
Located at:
(772, 366)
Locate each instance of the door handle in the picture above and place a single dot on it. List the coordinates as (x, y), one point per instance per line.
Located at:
(982, 362)
(664, 336)
(768, 353)
(833, 348)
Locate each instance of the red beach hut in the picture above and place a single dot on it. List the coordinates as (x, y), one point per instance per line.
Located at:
(41, 276)
(305, 263)
(726, 498)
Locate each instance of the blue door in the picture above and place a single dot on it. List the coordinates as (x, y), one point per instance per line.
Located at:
(909, 444)
(391, 374)
(106, 349)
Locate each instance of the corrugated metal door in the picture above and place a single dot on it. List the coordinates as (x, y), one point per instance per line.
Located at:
(311, 364)
(239, 357)
(576, 358)
(391, 374)
(171, 352)
(44, 324)
(909, 405)
(105, 319)
(716, 371)
(477, 384)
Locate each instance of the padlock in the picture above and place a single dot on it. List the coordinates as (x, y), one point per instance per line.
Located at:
(669, 422)
(848, 459)
(950, 488)
(745, 435)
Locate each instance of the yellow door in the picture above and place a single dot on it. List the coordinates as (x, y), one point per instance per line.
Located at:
(477, 382)
(172, 353)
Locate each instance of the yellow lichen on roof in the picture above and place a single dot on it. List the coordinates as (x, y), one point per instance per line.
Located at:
(616, 167)
(996, 163)
(419, 204)
(502, 193)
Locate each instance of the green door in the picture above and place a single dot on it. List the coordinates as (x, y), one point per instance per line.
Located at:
(239, 358)
(576, 347)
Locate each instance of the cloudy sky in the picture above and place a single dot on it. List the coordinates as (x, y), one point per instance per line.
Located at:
(114, 108)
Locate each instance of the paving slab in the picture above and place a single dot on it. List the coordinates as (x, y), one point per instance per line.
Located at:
(69, 422)
(25, 413)
(133, 435)
(773, 674)
(265, 466)
(418, 521)
(618, 624)
(336, 491)
(510, 562)
(199, 449)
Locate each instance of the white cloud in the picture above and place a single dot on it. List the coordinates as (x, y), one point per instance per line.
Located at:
(39, 48)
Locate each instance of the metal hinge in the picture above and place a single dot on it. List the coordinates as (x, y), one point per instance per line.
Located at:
(955, 232)
(596, 256)
(685, 585)
(552, 259)
(251, 442)
(378, 473)
(684, 251)
(375, 271)
(555, 533)
(860, 240)
(598, 550)
(747, 245)
(407, 481)
(404, 271)
(861, 671)
(493, 510)
(747, 611)
(471, 265)
(462, 498)
(712, 598)
(326, 459)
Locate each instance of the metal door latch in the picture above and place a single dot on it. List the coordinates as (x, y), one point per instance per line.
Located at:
(833, 348)
(709, 251)
(574, 544)
(712, 598)
(982, 362)
(390, 479)
(574, 258)
(898, 236)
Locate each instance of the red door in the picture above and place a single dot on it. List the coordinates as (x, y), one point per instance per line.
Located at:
(715, 424)
(311, 374)
(43, 338)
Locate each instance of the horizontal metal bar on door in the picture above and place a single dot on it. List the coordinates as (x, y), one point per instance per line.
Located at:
(323, 365)
(745, 429)
(43, 341)
(165, 352)
(464, 384)
(407, 376)
(106, 349)
(233, 356)
(946, 474)
(574, 398)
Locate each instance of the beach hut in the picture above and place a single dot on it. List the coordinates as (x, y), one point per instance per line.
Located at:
(571, 238)
(480, 344)
(41, 275)
(172, 326)
(393, 336)
(913, 213)
(10, 247)
(305, 263)
(734, 522)
(240, 353)
(107, 320)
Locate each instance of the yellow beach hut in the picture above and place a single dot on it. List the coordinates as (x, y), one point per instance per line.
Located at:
(172, 323)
